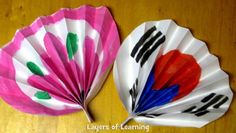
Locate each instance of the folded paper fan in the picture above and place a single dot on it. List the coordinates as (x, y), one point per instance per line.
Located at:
(165, 76)
(58, 64)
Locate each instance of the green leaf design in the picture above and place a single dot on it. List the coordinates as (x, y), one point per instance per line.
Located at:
(71, 44)
(34, 68)
(42, 95)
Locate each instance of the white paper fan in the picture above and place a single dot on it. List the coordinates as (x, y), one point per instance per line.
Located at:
(165, 76)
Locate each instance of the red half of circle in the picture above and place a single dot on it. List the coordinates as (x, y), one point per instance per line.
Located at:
(177, 68)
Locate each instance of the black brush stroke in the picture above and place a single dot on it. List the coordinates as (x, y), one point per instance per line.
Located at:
(150, 51)
(142, 40)
(221, 103)
(150, 115)
(211, 100)
(189, 109)
(133, 93)
(147, 45)
(198, 114)
(207, 98)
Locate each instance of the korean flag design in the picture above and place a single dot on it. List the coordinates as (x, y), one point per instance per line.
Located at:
(165, 76)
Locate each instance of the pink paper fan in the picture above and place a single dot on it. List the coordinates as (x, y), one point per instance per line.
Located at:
(58, 64)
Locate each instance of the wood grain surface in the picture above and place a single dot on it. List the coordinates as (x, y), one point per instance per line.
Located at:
(213, 21)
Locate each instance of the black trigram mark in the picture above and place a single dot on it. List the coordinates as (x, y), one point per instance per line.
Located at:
(134, 93)
(144, 47)
(150, 115)
(212, 100)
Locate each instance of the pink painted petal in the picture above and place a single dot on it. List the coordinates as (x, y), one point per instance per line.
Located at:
(50, 85)
(110, 51)
(91, 62)
(57, 59)
(101, 20)
(12, 94)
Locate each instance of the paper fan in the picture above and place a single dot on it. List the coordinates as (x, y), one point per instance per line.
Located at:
(167, 77)
(58, 64)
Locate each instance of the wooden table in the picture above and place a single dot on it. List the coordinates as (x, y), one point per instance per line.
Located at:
(213, 21)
